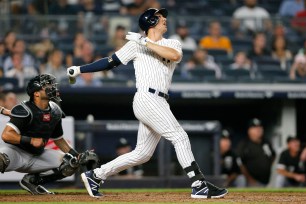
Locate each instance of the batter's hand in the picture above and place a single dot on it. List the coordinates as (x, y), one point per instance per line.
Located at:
(136, 37)
(73, 71)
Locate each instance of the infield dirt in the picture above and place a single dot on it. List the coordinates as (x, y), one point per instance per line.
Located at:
(161, 197)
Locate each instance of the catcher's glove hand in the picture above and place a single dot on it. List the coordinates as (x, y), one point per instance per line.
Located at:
(88, 159)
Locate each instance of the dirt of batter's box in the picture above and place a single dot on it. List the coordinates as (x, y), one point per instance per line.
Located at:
(154, 197)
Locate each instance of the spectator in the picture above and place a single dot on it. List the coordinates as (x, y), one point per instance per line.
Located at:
(299, 21)
(229, 165)
(2, 56)
(255, 155)
(40, 51)
(118, 39)
(182, 35)
(200, 58)
(215, 40)
(61, 7)
(55, 65)
(9, 39)
(280, 51)
(78, 41)
(241, 61)
(259, 48)
(87, 79)
(290, 169)
(123, 147)
(90, 7)
(19, 47)
(19, 70)
(10, 100)
(136, 7)
(290, 8)
(251, 18)
(86, 54)
(298, 68)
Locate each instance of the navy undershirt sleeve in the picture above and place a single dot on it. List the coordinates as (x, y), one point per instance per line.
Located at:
(101, 64)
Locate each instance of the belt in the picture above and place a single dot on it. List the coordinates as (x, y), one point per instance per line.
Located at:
(161, 94)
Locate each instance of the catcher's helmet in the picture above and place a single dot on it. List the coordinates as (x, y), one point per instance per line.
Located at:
(148, 19)
(46, 81)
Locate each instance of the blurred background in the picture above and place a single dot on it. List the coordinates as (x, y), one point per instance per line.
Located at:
(242, 60)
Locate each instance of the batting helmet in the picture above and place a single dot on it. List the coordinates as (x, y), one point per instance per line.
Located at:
(148, 19)
(46, 81)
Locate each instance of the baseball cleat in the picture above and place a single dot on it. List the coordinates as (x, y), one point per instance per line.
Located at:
(26, 184)
(208, 190)
(92, 184)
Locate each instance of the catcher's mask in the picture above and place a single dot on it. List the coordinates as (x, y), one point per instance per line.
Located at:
(46, 82)
(148, 19)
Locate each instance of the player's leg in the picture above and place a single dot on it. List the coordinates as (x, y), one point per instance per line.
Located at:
(13, 158)
(42, 169)
(159, 117)
(147, 141)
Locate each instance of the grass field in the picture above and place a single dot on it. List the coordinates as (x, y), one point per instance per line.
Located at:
(162, 196)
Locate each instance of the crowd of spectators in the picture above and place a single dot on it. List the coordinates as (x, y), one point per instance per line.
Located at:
(255, 39)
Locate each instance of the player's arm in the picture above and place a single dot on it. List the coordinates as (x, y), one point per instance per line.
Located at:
(20, 118)
(63, 145)
(10, 136)
(5, 111)
(165, 52)
(103, 64)
(61, 142)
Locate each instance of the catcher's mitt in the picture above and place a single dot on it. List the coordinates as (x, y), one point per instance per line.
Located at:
(89, 159)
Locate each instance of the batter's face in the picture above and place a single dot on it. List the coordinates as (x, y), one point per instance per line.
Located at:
(162, 23)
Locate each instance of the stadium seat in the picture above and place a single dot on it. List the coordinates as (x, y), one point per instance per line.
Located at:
(217, 53)
(237, 74)
(8, 83)
(272, 72)
(202, 73)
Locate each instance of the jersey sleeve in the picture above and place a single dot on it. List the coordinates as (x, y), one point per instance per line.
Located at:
(58, 131)
(127, 52)
(18, 124)
(175, 44)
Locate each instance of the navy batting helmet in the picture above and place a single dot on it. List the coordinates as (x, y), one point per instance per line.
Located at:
(148, 19)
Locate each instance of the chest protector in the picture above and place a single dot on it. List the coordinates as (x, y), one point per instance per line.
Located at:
(41, 122)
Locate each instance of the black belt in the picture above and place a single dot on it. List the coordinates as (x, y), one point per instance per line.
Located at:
(161, 94)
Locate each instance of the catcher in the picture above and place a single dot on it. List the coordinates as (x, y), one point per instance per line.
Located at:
(32, 123)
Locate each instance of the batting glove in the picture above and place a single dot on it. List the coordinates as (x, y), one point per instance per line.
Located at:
(137, 38)
(73, 71)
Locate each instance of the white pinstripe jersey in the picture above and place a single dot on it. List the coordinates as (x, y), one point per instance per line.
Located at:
(151, 70)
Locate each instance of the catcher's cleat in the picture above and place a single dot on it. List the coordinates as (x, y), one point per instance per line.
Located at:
(26, 184)
(92, 184)
(208, 190)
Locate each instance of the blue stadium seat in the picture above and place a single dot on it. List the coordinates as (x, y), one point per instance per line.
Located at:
(237, 74)
(202, 73)
(8, 83)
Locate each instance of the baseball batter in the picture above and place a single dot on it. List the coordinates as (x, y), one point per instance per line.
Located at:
(155, 59)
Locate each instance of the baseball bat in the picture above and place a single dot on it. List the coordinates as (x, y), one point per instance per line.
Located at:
(71, 79)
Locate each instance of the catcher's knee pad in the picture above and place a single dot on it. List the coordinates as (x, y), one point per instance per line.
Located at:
(4, 162)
